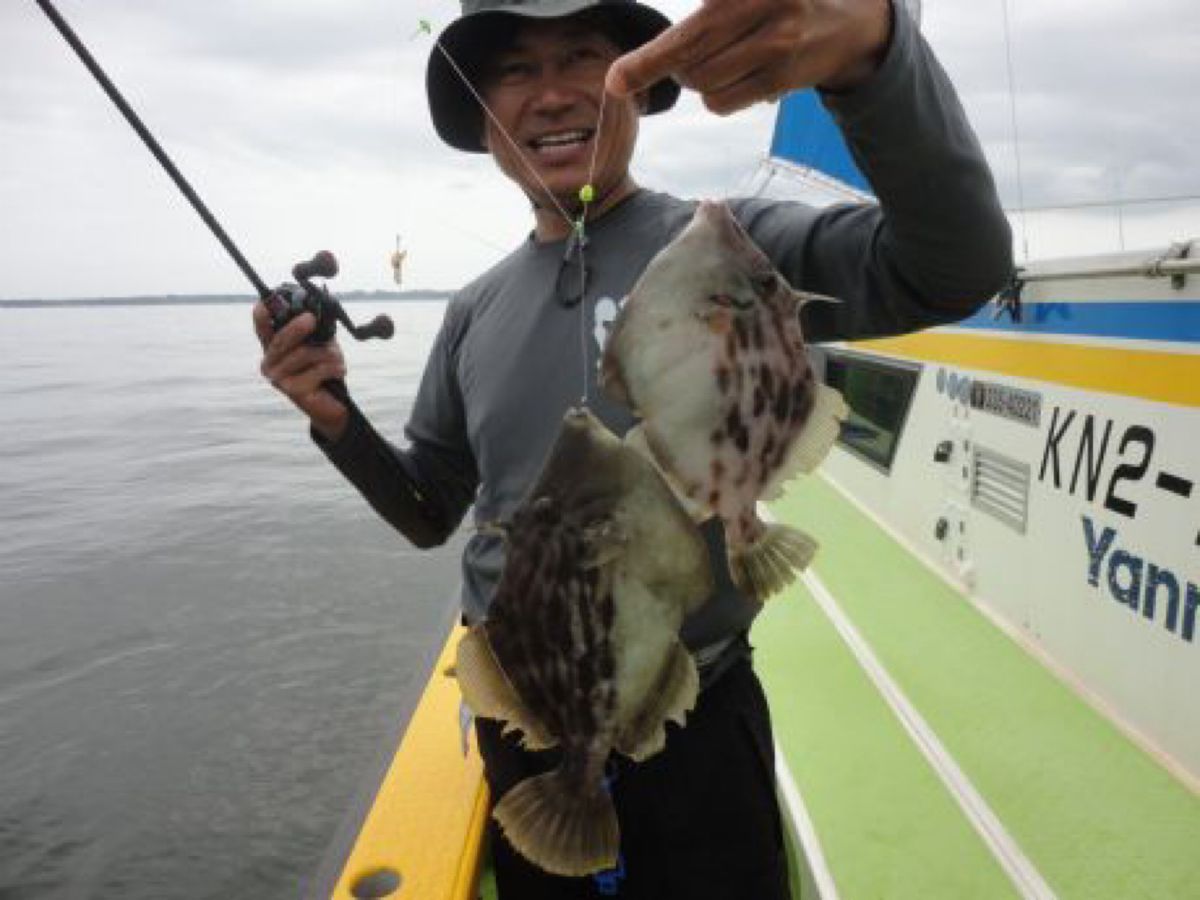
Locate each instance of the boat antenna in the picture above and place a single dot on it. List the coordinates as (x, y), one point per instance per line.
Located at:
(1012, 108)
(284, 303)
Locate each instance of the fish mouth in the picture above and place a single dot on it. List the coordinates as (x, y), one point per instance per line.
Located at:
(715, 217)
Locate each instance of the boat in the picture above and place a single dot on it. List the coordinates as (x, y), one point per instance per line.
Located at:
(984, 686)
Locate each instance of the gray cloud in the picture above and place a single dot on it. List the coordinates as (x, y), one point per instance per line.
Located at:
(304, 125)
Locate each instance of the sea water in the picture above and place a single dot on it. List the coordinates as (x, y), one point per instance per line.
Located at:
(208, 641)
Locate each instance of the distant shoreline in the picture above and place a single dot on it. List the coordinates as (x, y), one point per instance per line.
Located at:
(219, 299)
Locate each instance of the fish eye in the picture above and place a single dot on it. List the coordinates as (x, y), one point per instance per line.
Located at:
(765, 283)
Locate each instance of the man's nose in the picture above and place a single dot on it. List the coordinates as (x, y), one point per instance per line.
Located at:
(553, 95)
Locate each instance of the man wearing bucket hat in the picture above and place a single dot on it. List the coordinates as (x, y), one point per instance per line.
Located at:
(554, 90)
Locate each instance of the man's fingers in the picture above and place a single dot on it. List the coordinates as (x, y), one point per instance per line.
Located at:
(305, 389)
(680, 46)
(288, 338)
(300, 359)
(262, 324)
(766, 83)
(729, 65)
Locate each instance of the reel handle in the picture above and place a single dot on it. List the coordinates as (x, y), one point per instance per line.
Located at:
(324, 264)
(290, 300)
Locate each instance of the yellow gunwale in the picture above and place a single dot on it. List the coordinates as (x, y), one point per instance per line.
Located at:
(427, 820)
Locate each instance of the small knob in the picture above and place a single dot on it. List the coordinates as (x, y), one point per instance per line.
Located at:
(323, 264)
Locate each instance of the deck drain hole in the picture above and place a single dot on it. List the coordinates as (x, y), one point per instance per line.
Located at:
(376, 885)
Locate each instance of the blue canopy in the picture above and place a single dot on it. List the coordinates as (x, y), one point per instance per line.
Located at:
(806, 136)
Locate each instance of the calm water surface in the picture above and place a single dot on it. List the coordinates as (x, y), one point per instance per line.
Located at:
(207, 639)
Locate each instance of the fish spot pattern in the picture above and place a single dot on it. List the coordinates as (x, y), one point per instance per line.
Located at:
(767, 392)
(551, 626)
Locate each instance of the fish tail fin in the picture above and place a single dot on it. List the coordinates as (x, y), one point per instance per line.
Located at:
(770, 563)
(553, 827)
(815, 440)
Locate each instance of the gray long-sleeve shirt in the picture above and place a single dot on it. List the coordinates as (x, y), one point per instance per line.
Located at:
(509, 359)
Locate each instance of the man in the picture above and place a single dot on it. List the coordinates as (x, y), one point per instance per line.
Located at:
(700, 819)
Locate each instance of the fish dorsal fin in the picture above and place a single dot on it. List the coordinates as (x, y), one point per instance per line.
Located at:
(672, 699)
(814, 442)
(803, 298)
(490, 694)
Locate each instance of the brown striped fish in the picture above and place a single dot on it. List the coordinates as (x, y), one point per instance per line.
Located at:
(709, 352)
(580, 648)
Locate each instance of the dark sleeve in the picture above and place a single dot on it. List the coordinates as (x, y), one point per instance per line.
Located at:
(425, 489)
(936, 247)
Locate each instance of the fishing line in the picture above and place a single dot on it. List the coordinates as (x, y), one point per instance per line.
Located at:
(577, 239)
(503, 131)
(586, 195)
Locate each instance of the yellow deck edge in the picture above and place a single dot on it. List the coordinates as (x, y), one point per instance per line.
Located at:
(427, 820)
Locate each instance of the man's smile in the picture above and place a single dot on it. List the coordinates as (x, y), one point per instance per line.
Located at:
(562, 145)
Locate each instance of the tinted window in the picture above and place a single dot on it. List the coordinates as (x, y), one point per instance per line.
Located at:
(879, 393)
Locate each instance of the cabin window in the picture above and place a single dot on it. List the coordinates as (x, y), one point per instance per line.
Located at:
(879, 393)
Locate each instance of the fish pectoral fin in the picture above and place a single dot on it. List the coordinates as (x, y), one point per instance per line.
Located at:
(605, 540)
(769, 564)
(489, 693)
(814, 442)
(673, 697)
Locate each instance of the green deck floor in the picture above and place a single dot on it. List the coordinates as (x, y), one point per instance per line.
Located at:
(1095, 815)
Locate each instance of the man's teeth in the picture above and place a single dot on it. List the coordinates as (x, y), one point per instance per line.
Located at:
(562, 139)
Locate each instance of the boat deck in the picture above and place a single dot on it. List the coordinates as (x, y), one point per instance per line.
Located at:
(963, 768)
(922, 752)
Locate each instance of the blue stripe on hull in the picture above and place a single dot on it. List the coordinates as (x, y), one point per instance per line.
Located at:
(1150, 320)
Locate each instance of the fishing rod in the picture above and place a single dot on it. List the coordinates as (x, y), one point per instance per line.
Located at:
(285, 302)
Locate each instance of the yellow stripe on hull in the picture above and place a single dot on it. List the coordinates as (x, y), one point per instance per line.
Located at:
(1148, 374)
(427, 821)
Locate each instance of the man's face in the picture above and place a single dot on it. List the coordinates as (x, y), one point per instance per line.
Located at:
(545, 91)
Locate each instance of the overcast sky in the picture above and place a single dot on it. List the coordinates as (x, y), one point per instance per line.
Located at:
(303, 125)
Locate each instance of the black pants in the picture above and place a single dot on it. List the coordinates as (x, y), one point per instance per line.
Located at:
(699, 821)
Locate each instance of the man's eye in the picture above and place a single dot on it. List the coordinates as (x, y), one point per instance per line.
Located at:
(582, 56)
(515, 70)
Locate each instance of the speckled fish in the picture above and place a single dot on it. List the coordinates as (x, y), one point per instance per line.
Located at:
(708, 350)
(580, 648)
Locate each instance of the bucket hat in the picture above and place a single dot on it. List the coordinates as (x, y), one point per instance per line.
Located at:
(471, 39)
